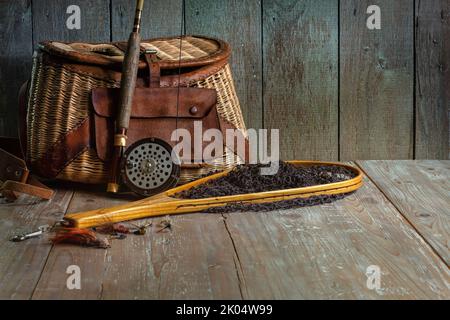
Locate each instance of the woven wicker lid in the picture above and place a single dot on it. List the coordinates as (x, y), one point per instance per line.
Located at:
(195, 51)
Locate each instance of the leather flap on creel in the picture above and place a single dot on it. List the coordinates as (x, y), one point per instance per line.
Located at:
(157, 102)
(154, 114)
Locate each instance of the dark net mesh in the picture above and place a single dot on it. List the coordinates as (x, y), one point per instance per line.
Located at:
(248, 179)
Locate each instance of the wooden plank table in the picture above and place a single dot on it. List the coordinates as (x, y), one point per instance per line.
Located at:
(398, 222)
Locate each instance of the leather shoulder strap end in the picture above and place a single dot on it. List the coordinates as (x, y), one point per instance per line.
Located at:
(11, 190)
(16, 179)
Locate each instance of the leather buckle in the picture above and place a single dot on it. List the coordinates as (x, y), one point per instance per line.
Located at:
(149, 51)
(12, 167)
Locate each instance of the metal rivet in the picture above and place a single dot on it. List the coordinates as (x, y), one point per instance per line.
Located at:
(150, 51)
(193, 110)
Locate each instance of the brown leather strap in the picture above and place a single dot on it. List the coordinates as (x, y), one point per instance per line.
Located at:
(154, 70)
(64, 151)
(16, 176)
(12, 167)
(10, 189)
(186, 78)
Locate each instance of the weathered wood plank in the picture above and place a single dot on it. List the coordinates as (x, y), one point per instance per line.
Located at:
(317, 252)
(421, 191)
(159, 19)
(323, 252)
(432, 79)
(300, 71)
(376, 81)
(15, 61)
(49, 21)
(239, 23)
(194, 261)
(21, 263)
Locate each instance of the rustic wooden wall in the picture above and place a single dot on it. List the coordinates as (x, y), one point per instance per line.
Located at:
(377, 81)
(310, 68)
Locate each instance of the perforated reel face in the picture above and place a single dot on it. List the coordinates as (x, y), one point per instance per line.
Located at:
(148, 168)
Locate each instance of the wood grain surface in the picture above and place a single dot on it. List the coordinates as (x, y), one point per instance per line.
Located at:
(159, 19)
(15, 61)
(376, 81)
(309, 68)
(300, 72)
(239, 23)
(193, 261)
(421, 191)
(323, 252)
(320, 252)
(432, 79)
(49, 21)
(21, 263)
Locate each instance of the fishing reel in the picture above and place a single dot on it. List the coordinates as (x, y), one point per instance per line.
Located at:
(148, 167)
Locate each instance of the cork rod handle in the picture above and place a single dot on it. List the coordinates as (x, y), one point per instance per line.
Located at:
(127, 87)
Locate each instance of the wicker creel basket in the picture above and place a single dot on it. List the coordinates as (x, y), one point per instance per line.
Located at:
(64, 74)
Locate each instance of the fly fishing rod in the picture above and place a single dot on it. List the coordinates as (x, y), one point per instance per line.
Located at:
(127, 86)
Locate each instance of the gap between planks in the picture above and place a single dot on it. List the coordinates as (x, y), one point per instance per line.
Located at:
(165, 253)
(238, 266)
(237, 260)
(51, 249)
(306, 265)
(408, 221)
(21, 264)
